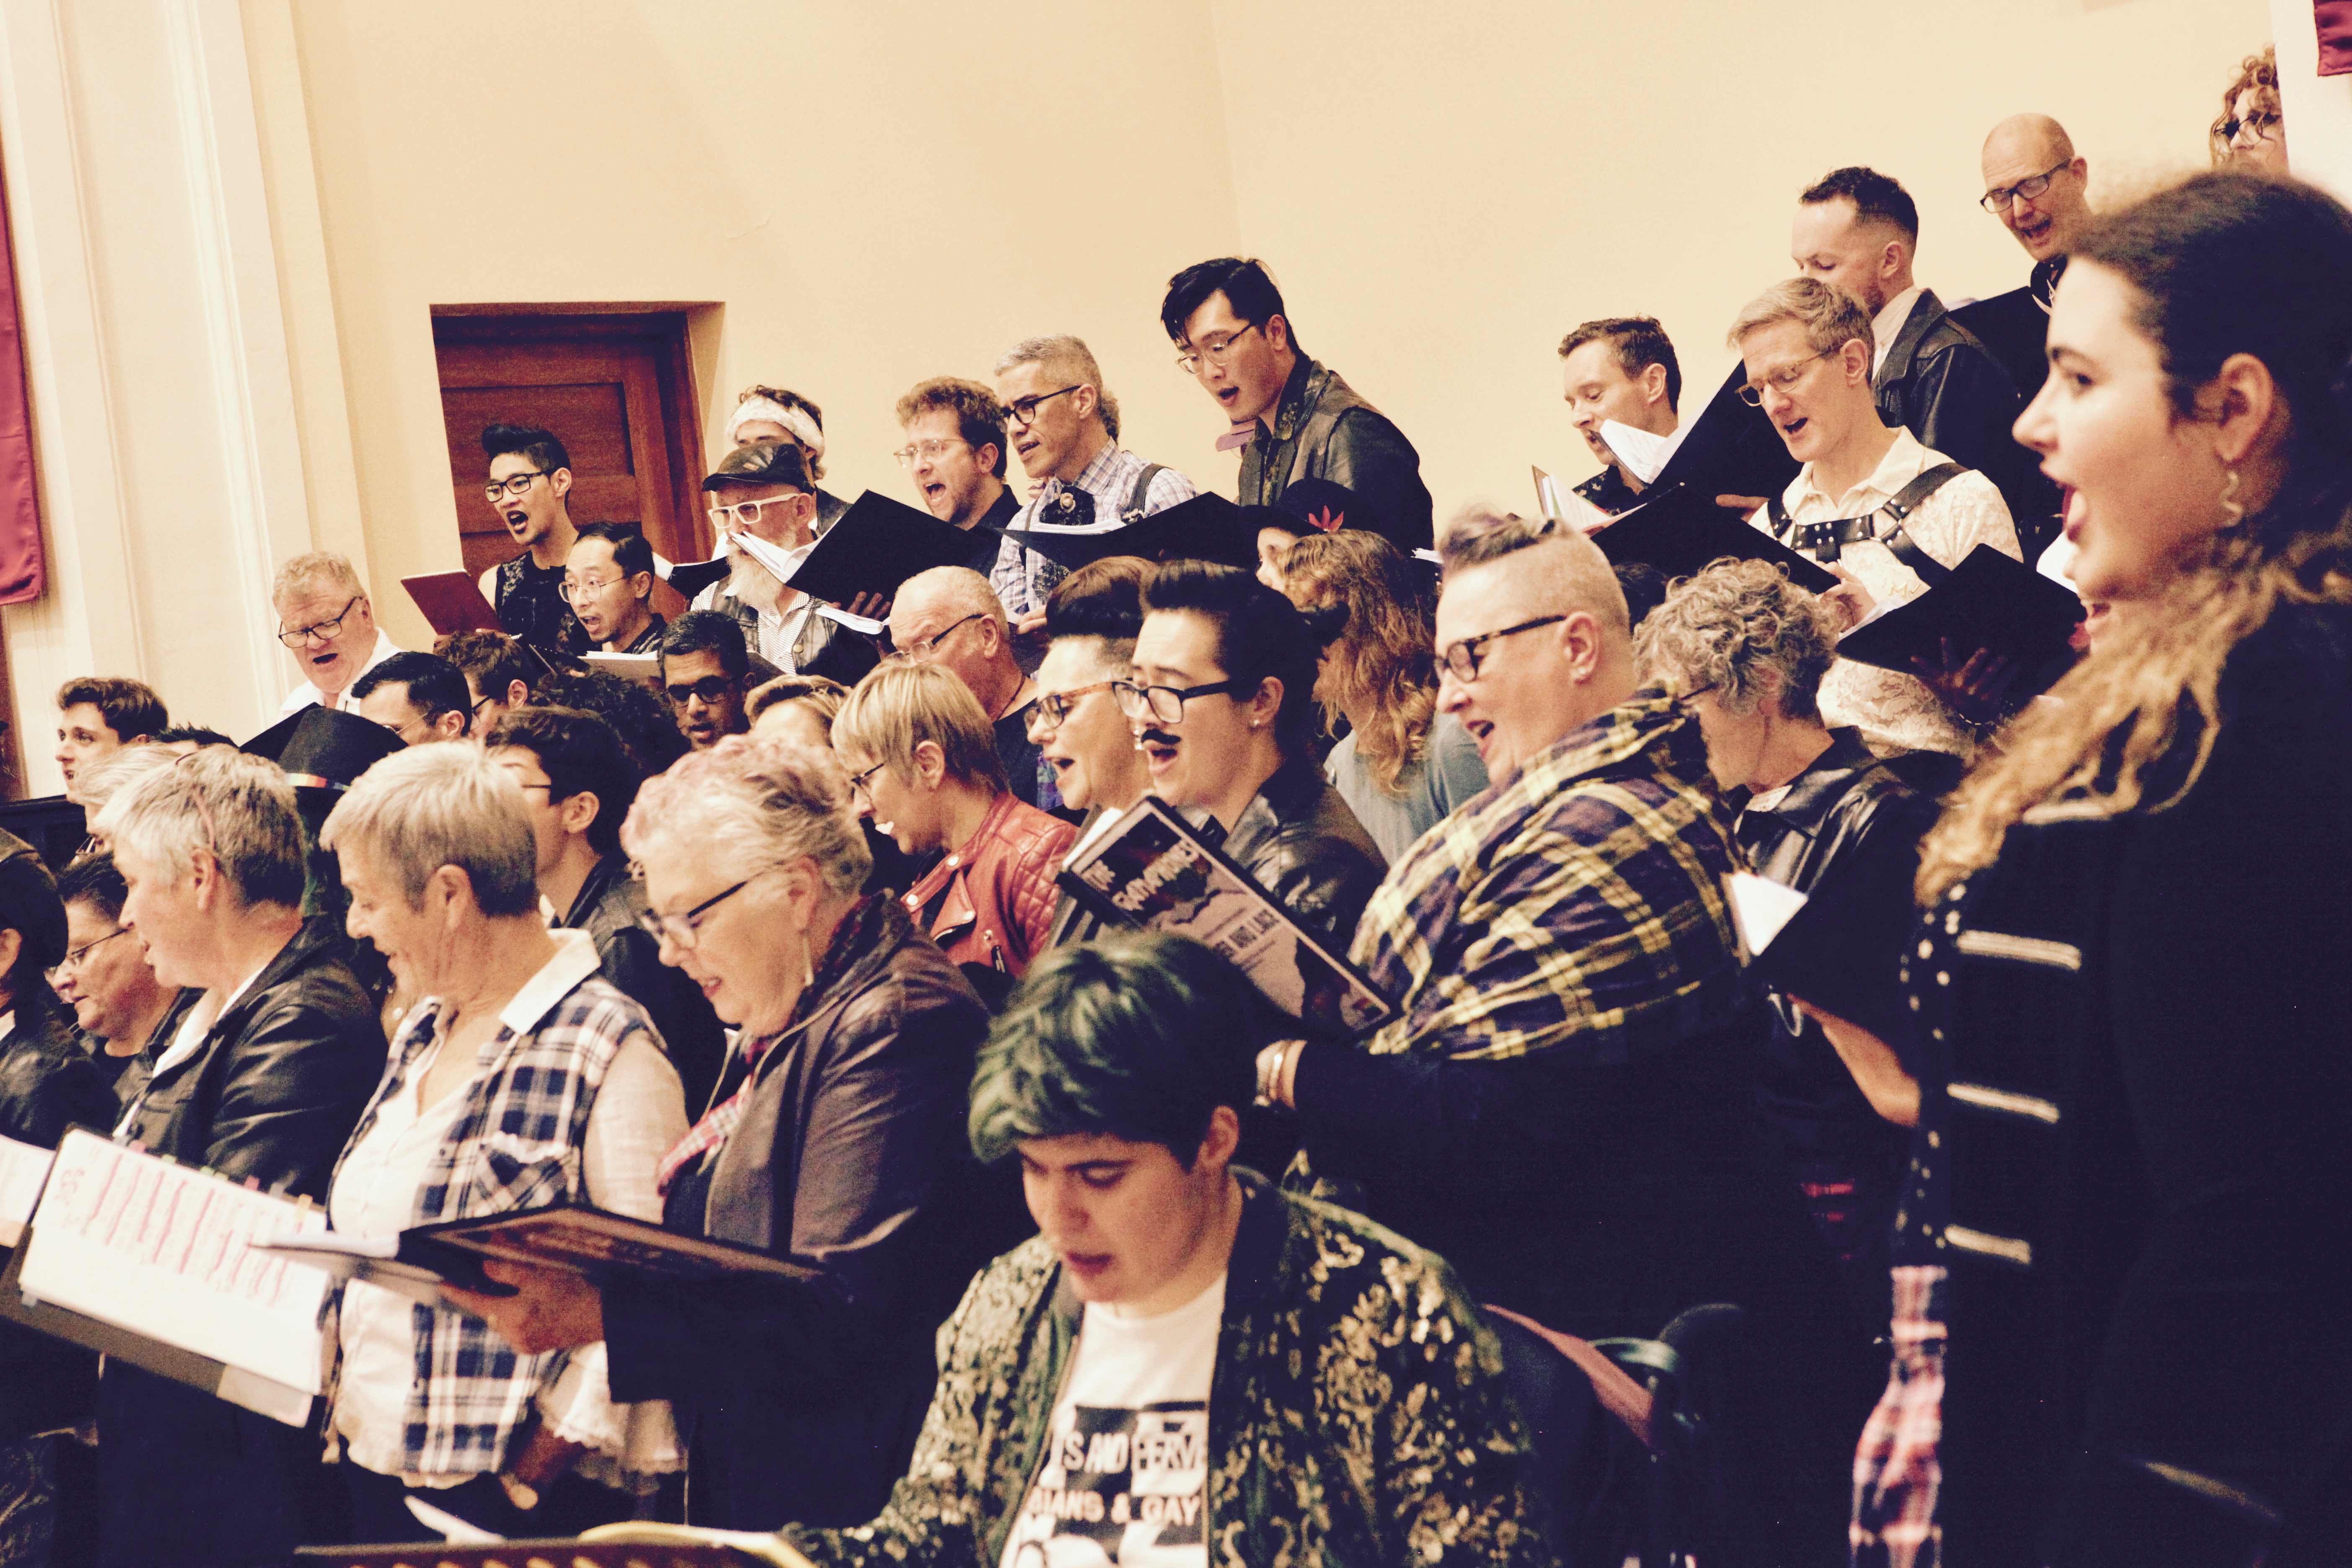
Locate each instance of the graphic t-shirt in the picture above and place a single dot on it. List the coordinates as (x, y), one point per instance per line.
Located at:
(1127, 1460)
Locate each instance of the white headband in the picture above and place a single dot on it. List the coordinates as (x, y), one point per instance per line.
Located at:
(795, 420)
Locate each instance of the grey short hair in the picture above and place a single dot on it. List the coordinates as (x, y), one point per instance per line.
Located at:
(1830, 320)
(768, 801)
(1070, 358)
(320, 566)
(118, 772)
(1732, 624)
(239, 809)
(430, 806)
(1565, 570)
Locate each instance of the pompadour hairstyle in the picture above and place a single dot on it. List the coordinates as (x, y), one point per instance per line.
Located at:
(1138, 1036)
(1876, 198)
(1260, 634)
(1103, 599)
(434, 685)
(526, 441)
(1639, 343)
(980, 418)
(130, 708)
(1245, 282)
(898, 707)
(707, 631)
(581, 753)
(631, 553)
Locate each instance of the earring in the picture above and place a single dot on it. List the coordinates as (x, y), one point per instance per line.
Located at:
(2234, 514)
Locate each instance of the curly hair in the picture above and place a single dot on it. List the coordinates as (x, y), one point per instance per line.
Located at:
(2223, 264)
(755, 800)
(1743, 631)
(1381, 666)
(2257, 74)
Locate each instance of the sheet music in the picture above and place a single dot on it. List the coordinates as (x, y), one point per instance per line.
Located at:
(162, 1250)
(23, 1169)
(1644, 454)
(1759, 908)
(781, 563)
(1560, 503)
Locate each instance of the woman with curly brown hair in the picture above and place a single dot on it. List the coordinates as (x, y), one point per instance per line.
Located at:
(1401, 767)
(2251, 136)
(2126, 1209)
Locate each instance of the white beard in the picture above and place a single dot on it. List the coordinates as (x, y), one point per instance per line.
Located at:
(751, 582)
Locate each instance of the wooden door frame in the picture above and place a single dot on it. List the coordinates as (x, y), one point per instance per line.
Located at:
(664, 325)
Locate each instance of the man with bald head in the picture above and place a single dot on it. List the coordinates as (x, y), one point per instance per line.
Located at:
(1558, 1106)
(2037, 185)
(949, 617)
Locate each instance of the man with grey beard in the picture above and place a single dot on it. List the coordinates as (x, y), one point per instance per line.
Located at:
(765, 491)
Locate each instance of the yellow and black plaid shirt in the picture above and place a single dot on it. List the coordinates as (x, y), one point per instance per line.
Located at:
(1578, 907)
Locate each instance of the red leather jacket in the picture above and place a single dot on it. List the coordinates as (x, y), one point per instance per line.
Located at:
(991, 900)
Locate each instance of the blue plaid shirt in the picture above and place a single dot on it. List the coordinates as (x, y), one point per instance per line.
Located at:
(1022, 578)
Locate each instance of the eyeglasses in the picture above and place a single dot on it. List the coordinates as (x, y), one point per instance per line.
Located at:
(319, 631)
(710, 689)
(746, 514)
(2259, 124)
(928, 451)
(77, 956)
(1050, 709)
(1214, 349)
(921, 650)
(1165, 703)
(684, 931)
(575, 586)
(1997, 200)
(1781, 379)
(1022, 411)
(1462, 660)
(512, 485)
(858, 784)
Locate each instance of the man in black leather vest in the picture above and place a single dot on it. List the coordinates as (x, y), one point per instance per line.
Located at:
(528, 481)
(1293, 418)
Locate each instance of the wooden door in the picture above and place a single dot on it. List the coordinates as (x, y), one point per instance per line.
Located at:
(613, 387)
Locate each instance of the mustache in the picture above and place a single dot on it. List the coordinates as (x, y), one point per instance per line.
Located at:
(1155, 737)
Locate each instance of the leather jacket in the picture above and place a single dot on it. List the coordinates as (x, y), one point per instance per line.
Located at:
(990, 901)
(1324, 430)
(606, 908)
(277, 1084)
(1944, 385)
(1298, 838)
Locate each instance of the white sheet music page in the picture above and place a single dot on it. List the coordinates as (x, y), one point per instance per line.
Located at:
(1644, 454)
(162, 1250)
(23, 1169)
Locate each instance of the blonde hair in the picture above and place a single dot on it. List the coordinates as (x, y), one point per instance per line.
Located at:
(430, 806)
(1830, 320)
(823, 696)
(1383, 657)
(238, 809)
(311, 571)
(898, 707)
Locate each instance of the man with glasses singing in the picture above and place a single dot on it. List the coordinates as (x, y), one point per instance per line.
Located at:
(765, 491)
(1293, 418)
(609, 579)
(955, 451)
(2036, 185)
(949, 617)
(529, 484)
(1872, 504)
(1064, 424)
(325, 621)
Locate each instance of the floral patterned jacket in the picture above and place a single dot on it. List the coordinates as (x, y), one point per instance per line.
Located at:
(1357, 1416)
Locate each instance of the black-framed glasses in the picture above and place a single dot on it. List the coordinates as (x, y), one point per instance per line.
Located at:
(859, 784)
(2260, 122)
(746, 514)
(321, 631)
(1998, 200)
(1022, 411)
(929, 451)
(710, 689)
(1780, 381)
(921, 650)
(1213, 350)
(1462, 660)
(77, 956)
(1166, 703)
(1050, 709)
(512, 486)
(685, 931)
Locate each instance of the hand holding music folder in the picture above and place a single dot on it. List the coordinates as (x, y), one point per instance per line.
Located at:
(1680, 531)
(1207, 528)
(1990, 601)
(585, 1240)
(877, 545)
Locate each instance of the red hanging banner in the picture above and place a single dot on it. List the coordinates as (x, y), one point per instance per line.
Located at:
(22, 576)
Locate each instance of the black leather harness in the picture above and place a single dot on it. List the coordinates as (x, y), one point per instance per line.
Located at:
(1824, 541)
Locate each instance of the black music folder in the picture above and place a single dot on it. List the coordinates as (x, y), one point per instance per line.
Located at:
(1681, 531)
(877, 544)
(1990, 601)
(1207, 528)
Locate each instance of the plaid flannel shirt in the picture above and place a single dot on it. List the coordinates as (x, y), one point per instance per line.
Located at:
(1578, 906)
(1022, 578)
(515, 1145)
(1895, 1469)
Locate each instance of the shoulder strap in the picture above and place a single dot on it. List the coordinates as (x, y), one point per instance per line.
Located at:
(1905, 549)
(1140, 496)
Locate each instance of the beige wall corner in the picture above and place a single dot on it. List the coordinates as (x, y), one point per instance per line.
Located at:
(2317, 108)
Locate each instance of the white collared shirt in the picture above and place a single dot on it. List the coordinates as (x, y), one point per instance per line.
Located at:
(1887, 325)
(302, 696)
(1967, 511)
